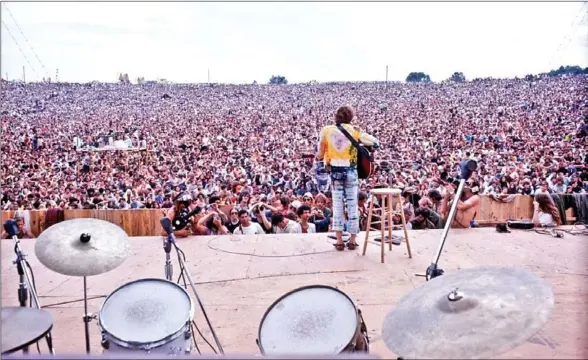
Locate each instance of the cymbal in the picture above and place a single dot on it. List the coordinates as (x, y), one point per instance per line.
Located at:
(23, 326)
(493, 310)
(61, 249)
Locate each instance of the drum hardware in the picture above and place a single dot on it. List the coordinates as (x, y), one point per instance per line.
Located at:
(83, 247)
(317, 320)
(26, 283)
(166, 223)
(467, 167)
(489, 311)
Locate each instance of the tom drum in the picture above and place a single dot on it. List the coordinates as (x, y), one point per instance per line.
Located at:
(147, 315)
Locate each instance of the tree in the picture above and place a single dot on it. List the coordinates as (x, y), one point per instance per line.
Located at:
(278, 80)
(566, 70)
(458, 77)
(418, 77)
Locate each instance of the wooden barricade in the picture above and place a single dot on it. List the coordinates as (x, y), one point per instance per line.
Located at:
(145, 222)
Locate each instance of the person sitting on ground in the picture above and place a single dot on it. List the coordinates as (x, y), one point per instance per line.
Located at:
(246, 226)
(546, 213)
(425, 219)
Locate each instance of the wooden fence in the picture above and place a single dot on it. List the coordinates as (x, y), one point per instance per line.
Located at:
(145, 222)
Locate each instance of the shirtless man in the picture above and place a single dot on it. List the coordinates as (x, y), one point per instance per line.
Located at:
(23, 232)
(466, 207)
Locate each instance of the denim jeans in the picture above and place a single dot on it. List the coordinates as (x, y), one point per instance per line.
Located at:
(345, 187)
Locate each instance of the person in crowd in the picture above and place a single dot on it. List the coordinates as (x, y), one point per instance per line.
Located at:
(304, 214)
(545, 211)
(23, 231)
(467, 205)
(212, 224)
(340, 157)
(233, 220)
(246, 226)
(283, 225)
(181, 226)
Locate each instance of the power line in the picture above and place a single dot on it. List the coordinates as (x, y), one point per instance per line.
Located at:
(19, 48)
(26, 40)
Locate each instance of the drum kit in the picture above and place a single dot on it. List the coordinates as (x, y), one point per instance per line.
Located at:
(474, 313)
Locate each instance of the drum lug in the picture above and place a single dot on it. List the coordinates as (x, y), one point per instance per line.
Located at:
(188, 334)
(105, 343)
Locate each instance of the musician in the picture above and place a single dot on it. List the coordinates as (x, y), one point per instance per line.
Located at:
(177, 214)
(340, 158)
(23, 231)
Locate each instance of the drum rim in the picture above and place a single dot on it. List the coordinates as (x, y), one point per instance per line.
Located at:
(151, 344)
(260, 344)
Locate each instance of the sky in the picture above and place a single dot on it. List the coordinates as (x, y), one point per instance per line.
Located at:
(327, 41)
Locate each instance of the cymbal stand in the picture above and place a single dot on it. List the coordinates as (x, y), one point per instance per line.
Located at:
(87, 317)
(433, 270)
(26, 285)
(185, 270)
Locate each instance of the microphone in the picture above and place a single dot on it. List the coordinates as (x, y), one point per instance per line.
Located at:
(167, 244)
(10, 227)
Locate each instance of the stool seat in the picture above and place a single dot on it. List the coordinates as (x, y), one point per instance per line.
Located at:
(390, 201)
(386, 191)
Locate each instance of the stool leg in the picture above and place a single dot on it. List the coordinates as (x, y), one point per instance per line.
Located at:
(405, 231)
(368, 225)
(383, 226)
(390, 222)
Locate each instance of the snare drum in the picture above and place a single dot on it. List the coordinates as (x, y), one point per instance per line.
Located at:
(312, 320)
(147, 315)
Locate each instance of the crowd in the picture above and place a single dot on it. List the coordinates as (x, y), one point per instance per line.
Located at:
(123, 146)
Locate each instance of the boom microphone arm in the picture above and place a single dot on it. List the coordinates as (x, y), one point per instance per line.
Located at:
(467, 168)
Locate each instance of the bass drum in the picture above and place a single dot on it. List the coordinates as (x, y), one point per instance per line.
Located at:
(149, 316)
(312, 320)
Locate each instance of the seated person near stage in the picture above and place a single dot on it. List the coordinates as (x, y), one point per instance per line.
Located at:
(466, 207)
(425, 219)
(283, 225)
(23, 232)
(181, 206)
(246, 226)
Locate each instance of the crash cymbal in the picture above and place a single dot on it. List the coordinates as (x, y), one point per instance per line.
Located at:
(62, 249)
(494, 310)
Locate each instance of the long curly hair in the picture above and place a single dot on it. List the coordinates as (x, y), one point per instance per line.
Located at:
(547, 205)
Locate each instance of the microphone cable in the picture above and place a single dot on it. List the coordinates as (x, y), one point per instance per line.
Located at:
(183, 278)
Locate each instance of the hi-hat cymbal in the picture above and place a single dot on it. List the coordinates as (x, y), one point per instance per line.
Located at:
(61, 249)
(494, 310)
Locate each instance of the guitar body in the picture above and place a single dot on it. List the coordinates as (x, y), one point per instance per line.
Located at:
(365, 164)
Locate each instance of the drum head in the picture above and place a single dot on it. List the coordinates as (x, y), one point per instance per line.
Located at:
(316, 320)
(146, 311)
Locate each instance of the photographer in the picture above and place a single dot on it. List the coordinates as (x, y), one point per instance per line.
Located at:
(425, 219)
(212, 224)
(466, 206)
(260, 213)
(181, 226)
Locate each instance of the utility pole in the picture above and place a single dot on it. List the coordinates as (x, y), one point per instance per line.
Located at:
(386, 76)
(56, 75)
(6, 76)
(209, 75)
(24, 78)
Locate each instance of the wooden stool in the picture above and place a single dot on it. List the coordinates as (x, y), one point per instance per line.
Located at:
(390, 205)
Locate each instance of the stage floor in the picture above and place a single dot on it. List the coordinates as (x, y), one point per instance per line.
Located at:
(239, 277)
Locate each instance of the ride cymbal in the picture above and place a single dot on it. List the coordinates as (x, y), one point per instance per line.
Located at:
(66, 249)
(474, 313)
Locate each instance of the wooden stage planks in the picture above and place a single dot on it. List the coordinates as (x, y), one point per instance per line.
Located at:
(239, 277)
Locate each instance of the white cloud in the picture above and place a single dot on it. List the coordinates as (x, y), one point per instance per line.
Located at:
(242, 42)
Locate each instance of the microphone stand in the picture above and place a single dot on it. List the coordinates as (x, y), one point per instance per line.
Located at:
(433, 270)
(26, 286)
(169, 271)
(184, 269)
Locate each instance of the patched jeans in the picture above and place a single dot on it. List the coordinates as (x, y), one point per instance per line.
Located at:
(345, 187)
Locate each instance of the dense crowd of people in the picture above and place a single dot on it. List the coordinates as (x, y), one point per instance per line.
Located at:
(123, 146)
